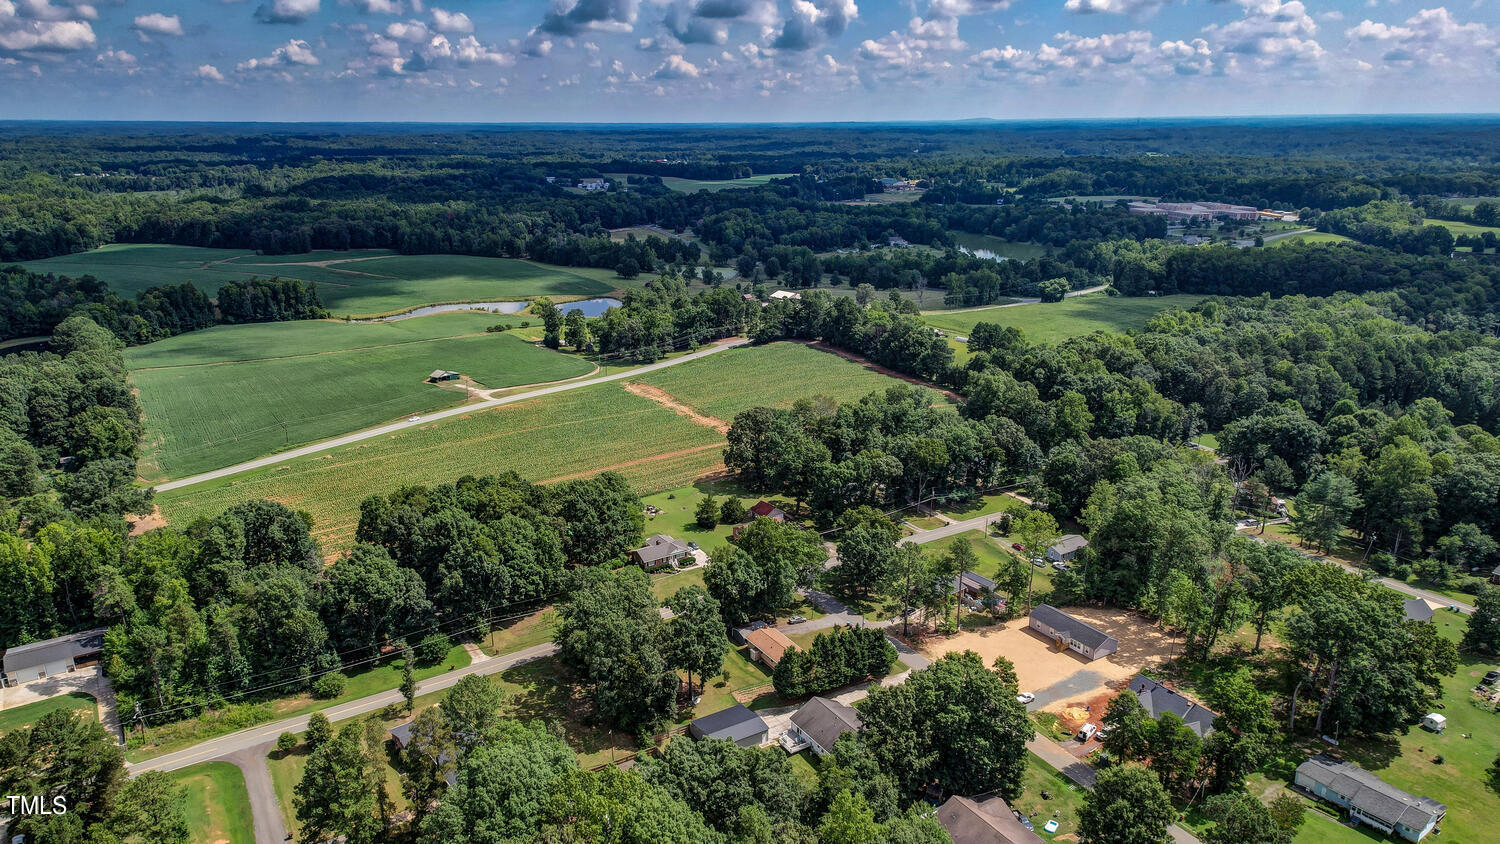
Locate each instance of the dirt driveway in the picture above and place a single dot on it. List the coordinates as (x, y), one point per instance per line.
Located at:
(1066, 683)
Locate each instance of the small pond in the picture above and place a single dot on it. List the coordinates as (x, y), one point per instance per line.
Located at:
(590, 308)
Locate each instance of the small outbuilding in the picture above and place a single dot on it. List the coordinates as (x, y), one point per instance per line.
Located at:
(1066, 631)
(1434, 722)
(440, 375)
(737, 724)
(767, 510)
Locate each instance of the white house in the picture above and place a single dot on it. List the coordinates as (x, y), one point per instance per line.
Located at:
(1066, 548)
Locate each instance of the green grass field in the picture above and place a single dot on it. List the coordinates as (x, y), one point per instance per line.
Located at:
(695, 185)
(357, 283)
(1052, 322)
(218, 804)
(994, 556)
(1063, 800)
(1464, 228)
(311, 380)
(1311, 237)
(777, 374)
(24, 716)
(575, 433)
(999, 246)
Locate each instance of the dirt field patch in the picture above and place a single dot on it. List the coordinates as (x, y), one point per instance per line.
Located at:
(670, 402)
(1066, 680)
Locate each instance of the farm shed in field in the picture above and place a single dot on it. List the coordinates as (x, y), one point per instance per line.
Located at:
(1069, 631)
(1369, 799)
(51, 657)
(737, 724)
(439, 375)
(768, 645)
(1156, 699)
(990, 821)
(821, 721)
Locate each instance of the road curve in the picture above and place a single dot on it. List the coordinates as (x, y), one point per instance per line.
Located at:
(303, 451)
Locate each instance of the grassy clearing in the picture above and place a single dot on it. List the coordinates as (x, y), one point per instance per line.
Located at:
(362, 683)
(985, 505)
(1311, 237)
(132, 267)
(544, 689)
(998, 246)
(679, 511)
(774, 375)
(1207, 441)
(218, 804)
(23, 716)
(695, 185)
(197, 416)
(578, 432)
(1053, 322)
(522, 633)
(286, 772)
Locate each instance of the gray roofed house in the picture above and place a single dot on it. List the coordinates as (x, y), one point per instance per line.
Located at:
(659, 550)
(737, 724)
(401, 734)
(1066, 548)
(1417, 610)
(973, 585)
(990, 821)
(1157, 699)
(1369, 799)
(821, 721)
(1078, 635)
(51, 657)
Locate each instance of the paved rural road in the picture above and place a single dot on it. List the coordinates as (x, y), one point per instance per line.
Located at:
(224, 746)
(284, 456)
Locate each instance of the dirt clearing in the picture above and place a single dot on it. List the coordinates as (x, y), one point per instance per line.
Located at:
(670, 402)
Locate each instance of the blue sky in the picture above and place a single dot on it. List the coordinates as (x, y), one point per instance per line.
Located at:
(741, 60)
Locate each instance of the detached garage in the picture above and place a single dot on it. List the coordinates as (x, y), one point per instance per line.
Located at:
(39, 660)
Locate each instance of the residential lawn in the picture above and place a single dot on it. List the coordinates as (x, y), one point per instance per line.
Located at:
(1063, 802)
(362, 683)
(522, 633)
(995, 556)
(544, 689)
(24, 716)
(1409, 761)
(805, 765)
(712, 186)
(679, 511)
(313, 380)
(1053, 322)
(286, 772)
(218, 804)
(984, 505)
(719, 692)
(665, 583)
(917, 519)
(986, 245)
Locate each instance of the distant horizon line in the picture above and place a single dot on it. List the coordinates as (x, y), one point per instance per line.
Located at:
(1288, 117)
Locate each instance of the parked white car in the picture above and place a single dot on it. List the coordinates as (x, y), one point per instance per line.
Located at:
(1025, 697)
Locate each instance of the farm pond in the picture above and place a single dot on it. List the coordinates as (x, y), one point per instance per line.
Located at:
(590, 308)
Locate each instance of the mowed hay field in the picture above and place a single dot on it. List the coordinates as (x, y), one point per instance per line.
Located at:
(357, 283)
(217, 397)
(695, 185)
(1052, 322)
(571, 434)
